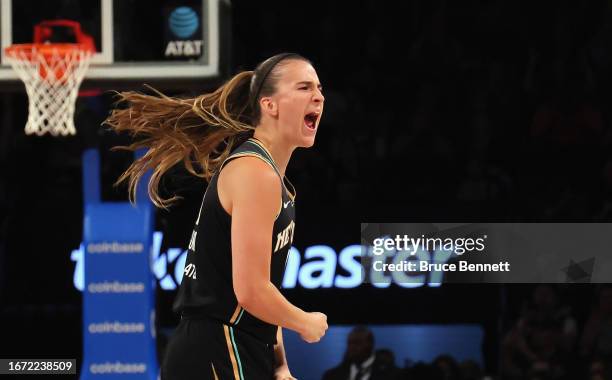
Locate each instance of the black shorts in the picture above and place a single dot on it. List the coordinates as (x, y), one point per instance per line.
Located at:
(205, 349)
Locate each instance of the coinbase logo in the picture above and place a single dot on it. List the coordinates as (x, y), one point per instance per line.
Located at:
(183, 22)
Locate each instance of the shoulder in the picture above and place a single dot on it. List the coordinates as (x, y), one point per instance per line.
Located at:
(251, 169)
(248, 179)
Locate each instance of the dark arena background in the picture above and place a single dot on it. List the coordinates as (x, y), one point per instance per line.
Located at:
(435, 111)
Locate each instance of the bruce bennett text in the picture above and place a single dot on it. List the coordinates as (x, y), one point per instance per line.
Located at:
(425, 266)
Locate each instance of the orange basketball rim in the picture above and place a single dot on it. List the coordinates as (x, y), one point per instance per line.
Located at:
(52, 73)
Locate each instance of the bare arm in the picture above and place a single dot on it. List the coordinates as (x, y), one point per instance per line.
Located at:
(251, 191)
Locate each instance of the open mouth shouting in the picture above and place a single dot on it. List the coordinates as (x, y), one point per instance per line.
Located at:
(310, 120)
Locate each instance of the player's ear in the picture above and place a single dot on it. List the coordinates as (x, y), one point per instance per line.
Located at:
(268, 106)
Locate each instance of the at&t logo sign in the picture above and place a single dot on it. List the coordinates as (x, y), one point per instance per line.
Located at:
(183, 23)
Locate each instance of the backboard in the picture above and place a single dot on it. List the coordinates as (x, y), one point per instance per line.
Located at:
(135, 39)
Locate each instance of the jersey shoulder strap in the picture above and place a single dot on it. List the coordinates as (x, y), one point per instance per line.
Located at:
(252, 149)
(284, 180)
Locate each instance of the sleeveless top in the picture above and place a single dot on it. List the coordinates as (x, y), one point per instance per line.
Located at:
(206, 289)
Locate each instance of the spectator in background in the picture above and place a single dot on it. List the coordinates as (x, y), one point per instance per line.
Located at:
(605, 207)
(547, 308)
(599, 371)
(470, 370)
(448, 366)
(541, 341)
(596, 341)
(360, 361)
(423, 371)
(385, 362)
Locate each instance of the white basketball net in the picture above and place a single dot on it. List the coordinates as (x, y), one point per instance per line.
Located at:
(52, 78)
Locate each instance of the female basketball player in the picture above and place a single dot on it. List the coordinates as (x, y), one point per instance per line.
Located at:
(241, 137)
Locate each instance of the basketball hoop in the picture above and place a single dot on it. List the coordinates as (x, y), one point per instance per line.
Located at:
(52, 74)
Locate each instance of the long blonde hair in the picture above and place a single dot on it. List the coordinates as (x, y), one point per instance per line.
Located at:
(199, 132)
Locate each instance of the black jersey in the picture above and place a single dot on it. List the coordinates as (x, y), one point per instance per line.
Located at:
(207, 289)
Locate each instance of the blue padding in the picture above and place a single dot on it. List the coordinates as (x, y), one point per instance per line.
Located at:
(119, 287)
(91, 176)
(117, 221)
